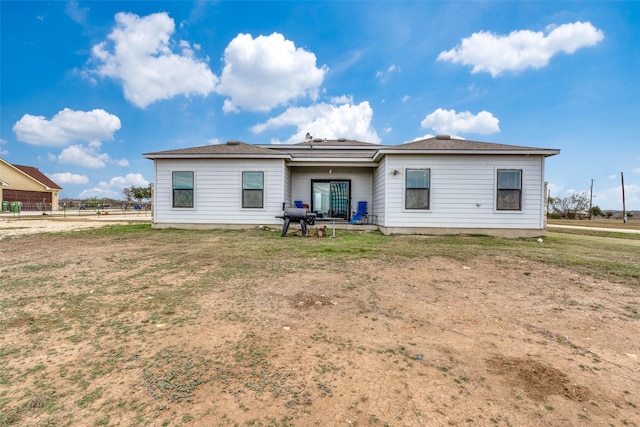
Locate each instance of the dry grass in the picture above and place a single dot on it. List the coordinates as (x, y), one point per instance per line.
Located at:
(631, 224)
(125, 325)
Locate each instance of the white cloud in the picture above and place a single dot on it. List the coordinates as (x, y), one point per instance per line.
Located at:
(384, 75)
(612, 176)
(139, 54)
(611, 198)
(420, 138)
(87, 156)
(99, 192)
(68, 178)
(131, 179)
(262, 73)
(67, 126)
(450, 122)
(3, 152)
(114, 187)
(344, 99)
(522, 49)
(325, 121)
(636, 171)
(214, 141)
(82, 156)
(430, 135)
(554, 189)
(75, 12)
(406, 98)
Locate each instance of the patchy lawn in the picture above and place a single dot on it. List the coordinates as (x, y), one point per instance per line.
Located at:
(125, 325)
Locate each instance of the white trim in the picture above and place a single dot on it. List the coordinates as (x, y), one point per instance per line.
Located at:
(544, 201)
(480, 152)
(404, 190)
(495, 190)
(195, 186)
(46, 188)
(264, 190)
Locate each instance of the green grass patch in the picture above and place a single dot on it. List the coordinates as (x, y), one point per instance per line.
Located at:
(126, 285)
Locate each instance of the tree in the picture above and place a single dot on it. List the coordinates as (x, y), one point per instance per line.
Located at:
(569, 207)
(596, 211)
(128, 194)
(140, 193)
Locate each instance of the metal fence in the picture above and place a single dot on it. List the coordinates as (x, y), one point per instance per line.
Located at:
(17, 208)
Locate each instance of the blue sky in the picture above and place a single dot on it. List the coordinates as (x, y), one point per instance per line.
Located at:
(87, 87)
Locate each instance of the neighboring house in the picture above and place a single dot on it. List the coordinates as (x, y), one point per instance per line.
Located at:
(432, 186)
(28, 185)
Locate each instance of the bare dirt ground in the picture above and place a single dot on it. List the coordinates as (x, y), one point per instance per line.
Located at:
(19, 227)
(491, 341)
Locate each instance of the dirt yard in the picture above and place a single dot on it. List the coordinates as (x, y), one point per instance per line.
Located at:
(168, 328)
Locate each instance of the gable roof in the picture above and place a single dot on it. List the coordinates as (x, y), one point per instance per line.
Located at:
(318, 152)
(229, 150)
(36, 175)
(444, 144)
(340, 142)
(322, 150)
(441, 142)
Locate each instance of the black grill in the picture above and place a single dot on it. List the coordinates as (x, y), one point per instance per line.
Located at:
(297, 214)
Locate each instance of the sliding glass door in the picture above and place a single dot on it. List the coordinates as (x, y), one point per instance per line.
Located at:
(330, 198)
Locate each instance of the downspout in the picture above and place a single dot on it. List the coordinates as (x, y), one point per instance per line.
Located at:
(283, 173)
(544, 201)
(154, 199)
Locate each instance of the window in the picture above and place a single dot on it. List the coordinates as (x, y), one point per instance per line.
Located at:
(417, 189)
(509, 190)
(252, 189)
(182, 184)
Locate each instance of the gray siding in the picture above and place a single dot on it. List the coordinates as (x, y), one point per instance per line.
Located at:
(218, 191)
(287, 187)
(379, 198)
(463, 192)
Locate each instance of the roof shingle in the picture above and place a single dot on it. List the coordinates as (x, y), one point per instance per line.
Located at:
(231, 147)
(38, 176)
(457, 144)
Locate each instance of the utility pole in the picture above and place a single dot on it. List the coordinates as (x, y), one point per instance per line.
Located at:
(591, 200)
(624, 210)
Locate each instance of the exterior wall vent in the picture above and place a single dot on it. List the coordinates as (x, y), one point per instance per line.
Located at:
(317, 139)
(443, 136)
(233, 142)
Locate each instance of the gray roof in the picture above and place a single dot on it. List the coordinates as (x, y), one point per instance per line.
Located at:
(313, 155)
(444, 144)
(343, 149)
(231, 148)
(340, 142)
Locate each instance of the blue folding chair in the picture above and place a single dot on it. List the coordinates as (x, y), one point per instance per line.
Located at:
(299, 204)
(360, 216)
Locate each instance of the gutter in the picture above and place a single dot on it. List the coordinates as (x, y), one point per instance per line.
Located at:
(546, 153)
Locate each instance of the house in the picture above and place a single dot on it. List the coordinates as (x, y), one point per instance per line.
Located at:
(432, 186)
(26, 184)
